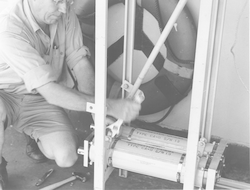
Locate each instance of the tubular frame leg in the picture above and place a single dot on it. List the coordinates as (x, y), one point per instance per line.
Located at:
(197, 99)
(215, 69)
(100, 91)
(129, 29)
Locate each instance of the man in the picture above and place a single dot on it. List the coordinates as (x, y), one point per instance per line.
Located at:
(41, 51)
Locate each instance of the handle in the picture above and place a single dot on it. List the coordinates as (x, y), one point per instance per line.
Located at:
(58, 184)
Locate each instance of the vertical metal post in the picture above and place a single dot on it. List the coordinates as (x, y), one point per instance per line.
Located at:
(129, 29)
(211, 46)
(215, 68)
(101, 7)
(199, 80)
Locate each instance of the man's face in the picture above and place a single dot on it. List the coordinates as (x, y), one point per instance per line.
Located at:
(49, 11)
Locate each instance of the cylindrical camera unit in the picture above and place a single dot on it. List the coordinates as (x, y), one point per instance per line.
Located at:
(160, 140)
(150, 161)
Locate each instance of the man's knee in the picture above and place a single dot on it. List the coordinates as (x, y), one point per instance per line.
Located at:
(65, 157)
(59, 146)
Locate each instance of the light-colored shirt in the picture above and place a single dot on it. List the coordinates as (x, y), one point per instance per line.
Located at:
(29, 58)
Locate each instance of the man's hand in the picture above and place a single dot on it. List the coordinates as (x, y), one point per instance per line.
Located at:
(124, 109)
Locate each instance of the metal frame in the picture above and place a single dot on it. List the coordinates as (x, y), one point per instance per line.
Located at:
(201, 103)
(220, 17)
(101, 7)
(209, 39)
(200, 80)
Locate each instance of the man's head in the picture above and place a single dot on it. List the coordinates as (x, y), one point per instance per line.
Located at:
(48, 11)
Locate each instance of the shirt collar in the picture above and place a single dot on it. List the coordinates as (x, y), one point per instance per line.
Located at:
(32, 19)
(30, 16)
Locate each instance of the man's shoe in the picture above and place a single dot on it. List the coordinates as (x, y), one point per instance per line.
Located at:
(33, 151)
(3, 174)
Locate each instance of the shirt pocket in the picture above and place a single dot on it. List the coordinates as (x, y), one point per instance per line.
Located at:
(55, 59)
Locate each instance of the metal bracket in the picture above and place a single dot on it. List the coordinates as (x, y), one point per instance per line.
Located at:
(126, 86)
(85, 149)
(213, 171)
(202, 146)
(90, 107)
(138, 96)
(123, 173)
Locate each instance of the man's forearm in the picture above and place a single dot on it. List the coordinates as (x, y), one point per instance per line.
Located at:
(70, 99)
(65, 97)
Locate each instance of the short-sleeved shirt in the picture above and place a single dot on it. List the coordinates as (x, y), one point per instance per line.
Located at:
(29, 58)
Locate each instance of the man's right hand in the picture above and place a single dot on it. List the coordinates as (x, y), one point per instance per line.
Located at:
(124, 109)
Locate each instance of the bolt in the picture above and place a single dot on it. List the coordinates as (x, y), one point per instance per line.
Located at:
(125, 86)
(109, 161)
(115, 128)
(202, 143)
